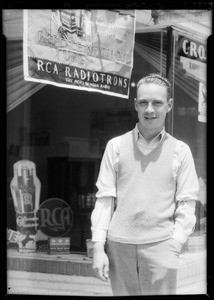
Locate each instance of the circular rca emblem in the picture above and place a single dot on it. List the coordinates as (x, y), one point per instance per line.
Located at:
(55, 217)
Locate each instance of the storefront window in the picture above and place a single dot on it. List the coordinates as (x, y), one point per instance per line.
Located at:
(189, 118)
(64, 132)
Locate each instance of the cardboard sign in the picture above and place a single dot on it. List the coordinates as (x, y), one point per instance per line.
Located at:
(80, 49)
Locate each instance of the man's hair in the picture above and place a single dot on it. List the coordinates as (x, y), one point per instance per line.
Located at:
(157, 79)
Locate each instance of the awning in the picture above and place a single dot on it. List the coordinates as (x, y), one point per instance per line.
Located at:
(19, 90)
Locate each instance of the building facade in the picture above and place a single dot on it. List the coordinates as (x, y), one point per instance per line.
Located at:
(64, 132)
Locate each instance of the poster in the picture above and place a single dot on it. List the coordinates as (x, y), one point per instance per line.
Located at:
(80, 49)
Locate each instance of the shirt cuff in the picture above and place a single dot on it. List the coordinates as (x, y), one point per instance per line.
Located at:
(99, 235)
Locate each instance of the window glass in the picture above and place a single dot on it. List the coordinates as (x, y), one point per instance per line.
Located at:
(64, 132)
(189, 118)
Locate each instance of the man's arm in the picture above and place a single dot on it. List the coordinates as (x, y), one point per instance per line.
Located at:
(186, 196)
(100, 220)
(100, 262)
(184, 222)
(102, 213)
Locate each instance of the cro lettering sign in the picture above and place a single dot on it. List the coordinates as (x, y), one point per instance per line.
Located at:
(192, 49)
(55, 217)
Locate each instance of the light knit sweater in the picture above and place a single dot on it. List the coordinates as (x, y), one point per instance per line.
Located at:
(145, 193)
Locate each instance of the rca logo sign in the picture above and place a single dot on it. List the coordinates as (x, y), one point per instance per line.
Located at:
(55, 217)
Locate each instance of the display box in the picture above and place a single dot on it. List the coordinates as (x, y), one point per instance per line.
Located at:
(54, 245)
(59, 245)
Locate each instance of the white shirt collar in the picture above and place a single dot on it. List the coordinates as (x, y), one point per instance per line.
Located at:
(157, 138)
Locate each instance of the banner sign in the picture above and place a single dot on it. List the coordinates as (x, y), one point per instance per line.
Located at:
(80, 49)
(193, 56)
(192, 49)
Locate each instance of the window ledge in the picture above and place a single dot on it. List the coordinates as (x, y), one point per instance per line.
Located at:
(67, 264)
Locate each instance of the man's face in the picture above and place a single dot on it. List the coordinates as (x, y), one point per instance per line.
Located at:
(152, 106)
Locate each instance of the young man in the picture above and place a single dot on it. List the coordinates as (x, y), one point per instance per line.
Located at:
(153, 179)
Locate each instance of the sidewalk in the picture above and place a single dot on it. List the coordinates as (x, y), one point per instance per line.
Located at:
(191, 280)
(34, 283)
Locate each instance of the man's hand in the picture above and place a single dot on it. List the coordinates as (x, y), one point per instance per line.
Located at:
(100, 262)
(177, 245)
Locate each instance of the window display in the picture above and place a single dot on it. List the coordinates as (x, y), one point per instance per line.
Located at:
(64, 132)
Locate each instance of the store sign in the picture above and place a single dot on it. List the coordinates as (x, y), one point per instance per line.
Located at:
(193, 56)
(195, 69)
(80, 49)
(192, 49)
(55, 217)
